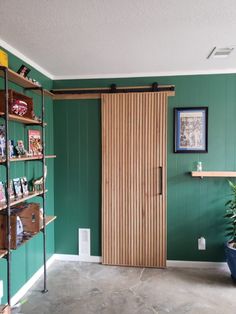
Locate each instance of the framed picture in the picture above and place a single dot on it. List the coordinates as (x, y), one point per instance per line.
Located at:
(23, 70)
(35, 144)
(190, 130)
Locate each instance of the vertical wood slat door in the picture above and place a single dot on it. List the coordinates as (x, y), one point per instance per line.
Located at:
(134, 179)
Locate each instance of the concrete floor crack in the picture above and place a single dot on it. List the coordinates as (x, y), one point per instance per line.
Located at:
(143, 300)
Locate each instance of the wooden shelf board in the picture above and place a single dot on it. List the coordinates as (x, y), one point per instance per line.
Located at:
(76, 96)
(50, 156)
(27, 158)
(48, 220)
(3, 253)
(224, 174)
(23, 82)
(22, 199)
(14, 117)
(69, 96)
(22, 159)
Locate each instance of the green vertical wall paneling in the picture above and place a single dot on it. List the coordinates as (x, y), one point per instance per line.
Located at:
(195, 206)
(77, 174)
(29, 258)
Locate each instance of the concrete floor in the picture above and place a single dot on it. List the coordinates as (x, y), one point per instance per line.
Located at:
(86, 288)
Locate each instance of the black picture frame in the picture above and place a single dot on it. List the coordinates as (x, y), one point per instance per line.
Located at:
(191, 130)
(23, 70)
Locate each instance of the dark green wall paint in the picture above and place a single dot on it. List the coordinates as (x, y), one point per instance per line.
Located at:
(77, 173)
(28, 258)
(195, 206)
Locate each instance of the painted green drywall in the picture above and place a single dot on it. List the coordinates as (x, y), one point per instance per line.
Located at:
(195, 207)
(77, 173)
(29, 258)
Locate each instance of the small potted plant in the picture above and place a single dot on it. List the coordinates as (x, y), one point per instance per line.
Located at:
(230, 247)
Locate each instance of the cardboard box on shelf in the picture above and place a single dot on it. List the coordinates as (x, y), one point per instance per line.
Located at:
(30, 218)
(19, 104)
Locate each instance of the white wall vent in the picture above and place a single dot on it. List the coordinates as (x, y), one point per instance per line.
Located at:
(220, 52)
(84, 242)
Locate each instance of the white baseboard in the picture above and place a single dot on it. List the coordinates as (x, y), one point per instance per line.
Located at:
(20, 293)
(78, 258)
(183, 264)
(195, 264)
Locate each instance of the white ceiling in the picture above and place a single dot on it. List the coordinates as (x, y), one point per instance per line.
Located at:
(119, 38)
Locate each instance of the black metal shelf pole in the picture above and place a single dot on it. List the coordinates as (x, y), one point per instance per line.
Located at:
(44, 194)
(45, 290)
(7, 166)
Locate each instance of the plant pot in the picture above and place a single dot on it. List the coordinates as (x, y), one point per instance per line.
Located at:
(230, 253)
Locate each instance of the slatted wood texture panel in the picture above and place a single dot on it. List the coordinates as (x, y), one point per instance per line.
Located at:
(134, 179)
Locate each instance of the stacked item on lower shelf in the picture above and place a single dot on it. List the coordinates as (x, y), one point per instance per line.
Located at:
(26, 221)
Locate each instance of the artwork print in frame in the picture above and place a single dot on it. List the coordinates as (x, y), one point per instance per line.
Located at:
(23, 70)
(190, 130)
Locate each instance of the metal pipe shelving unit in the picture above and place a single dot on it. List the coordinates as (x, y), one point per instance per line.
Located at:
(43, 195)
(7, 166)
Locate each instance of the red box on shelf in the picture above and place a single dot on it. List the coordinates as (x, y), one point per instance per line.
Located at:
(18, 104)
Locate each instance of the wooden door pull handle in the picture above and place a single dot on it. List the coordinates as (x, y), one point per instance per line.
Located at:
(161, 179)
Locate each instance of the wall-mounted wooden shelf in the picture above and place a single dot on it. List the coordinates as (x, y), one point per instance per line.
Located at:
(14, 117)
(216, 174)
(28, 158)
(48, 220)
(22, 199)
(23, 82)
(3, 253)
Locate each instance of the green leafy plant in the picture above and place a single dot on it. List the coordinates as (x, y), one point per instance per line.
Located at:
(230, 215)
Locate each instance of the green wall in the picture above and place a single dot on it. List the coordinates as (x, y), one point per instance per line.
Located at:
(195, 206)
(29, 258)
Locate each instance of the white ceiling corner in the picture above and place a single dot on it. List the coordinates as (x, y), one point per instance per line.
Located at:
(25, 58)
(126, 38)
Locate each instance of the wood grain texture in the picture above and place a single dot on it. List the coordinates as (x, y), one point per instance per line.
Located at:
(74, 96)
(2, 254)
(99, 95)
(224, 174)
(134, 179)
(14, 117)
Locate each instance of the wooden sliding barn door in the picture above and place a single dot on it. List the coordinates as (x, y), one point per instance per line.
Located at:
(134, 179)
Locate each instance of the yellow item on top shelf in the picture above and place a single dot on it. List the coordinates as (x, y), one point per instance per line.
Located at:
(3, 58)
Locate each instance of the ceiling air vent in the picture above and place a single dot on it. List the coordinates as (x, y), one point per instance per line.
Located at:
(220, 52)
